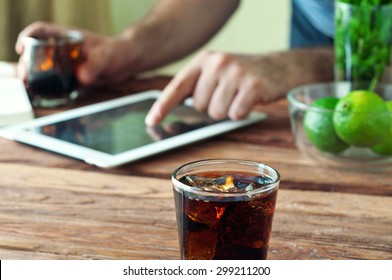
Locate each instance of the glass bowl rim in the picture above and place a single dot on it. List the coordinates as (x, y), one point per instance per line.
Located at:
(299, 90)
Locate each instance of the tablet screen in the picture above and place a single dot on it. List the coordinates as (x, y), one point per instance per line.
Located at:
(120, 129)
(113, 132)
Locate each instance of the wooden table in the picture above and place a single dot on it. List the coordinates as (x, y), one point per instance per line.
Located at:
(54, 207)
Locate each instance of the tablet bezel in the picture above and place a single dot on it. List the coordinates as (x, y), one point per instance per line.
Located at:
(24, 133)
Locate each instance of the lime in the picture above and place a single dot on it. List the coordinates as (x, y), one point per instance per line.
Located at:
(318, 125)
(361, 118)
(385, 146)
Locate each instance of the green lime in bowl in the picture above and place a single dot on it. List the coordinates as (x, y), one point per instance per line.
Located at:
(342, 126)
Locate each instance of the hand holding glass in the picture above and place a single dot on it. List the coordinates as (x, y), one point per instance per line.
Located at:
(50, 64)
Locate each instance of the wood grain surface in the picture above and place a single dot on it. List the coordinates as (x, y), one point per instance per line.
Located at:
(54, 207)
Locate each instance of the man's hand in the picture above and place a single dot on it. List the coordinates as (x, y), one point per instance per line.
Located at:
(101, 62)
(224, 85)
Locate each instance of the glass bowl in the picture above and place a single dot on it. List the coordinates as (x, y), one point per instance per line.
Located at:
(300, 102)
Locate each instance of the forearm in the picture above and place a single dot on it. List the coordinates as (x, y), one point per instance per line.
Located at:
(286, 70)
(311, 65)
(172, 30)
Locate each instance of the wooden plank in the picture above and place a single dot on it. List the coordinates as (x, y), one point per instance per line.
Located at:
(314, 225)
(297, 170)
(76, 214)
(72, 214)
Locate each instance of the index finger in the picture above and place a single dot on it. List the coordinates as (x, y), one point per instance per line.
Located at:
(175, 92)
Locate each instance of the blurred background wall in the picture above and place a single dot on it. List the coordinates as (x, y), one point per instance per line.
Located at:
(256, 27)
(16, 14)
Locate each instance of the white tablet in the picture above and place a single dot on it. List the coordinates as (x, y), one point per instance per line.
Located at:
(112, 133)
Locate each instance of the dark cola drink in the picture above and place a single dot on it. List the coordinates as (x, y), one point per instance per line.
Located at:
(225, 216)
(50, 66)
(51, 84)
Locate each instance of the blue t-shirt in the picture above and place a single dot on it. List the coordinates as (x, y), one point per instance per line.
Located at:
(312, 23)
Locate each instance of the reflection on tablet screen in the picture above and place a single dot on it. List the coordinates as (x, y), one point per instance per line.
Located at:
(120, 129)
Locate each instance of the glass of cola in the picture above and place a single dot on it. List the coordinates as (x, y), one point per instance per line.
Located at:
(224, 208)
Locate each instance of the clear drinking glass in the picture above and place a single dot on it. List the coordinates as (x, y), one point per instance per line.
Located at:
(225, 208)
(50, 63)
(363, 43)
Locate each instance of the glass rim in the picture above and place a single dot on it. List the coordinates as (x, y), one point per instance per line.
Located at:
(299, 90)
(59, 39)
(346, 5)
(215, 161)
